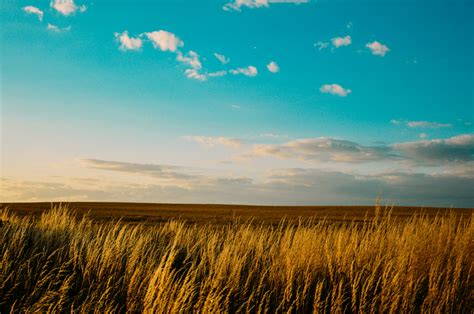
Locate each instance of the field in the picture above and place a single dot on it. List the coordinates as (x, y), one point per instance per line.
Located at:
(154, 258)
(223, 214)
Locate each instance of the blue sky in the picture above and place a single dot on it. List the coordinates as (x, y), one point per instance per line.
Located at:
(367, 97)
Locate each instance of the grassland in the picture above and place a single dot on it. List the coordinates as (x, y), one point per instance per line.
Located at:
(209, 260)
(222, 214)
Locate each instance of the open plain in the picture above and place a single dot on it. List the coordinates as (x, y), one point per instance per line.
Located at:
(219, 213)
(168, 258)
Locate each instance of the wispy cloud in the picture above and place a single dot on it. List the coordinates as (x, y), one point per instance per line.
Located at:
(341, 41)
(428, 124)
(273, 135)
(164, 40)
(273, 67)
(194, 74)
(293, 186)
(128, 43)
(35, 11)
(399, 187)
(247, 71)
(216, 74)
(377, 48)
(322, 150)
(67, 7)
(223, 59)
(335, 89)
(236, 5)
(433, 152)
(191, 59)
(57, 29)
(210, 141)
(455, 149)
(421, 124)
(321, 45)
(153, 170)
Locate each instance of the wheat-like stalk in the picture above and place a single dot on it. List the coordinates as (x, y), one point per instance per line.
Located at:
(61, 262)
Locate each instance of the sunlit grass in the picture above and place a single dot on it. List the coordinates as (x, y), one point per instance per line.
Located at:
(61, 263)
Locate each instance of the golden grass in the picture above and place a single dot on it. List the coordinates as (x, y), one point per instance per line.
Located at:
(60, 262)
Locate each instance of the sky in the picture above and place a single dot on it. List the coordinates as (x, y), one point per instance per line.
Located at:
(238, 101)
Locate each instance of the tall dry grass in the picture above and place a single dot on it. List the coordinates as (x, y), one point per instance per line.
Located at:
(63, 263)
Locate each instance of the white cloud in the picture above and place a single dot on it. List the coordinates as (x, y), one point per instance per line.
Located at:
(221, 58)
(194, 74)
(457, 148)
(237, 4)
(321, 45)
(57, 29)
(341, 41)
(248, 71)
(67, 7)
(273, 67)
(217, 74)
(423, 135)
(34, 10)
(421, 124)
(435, 152)
(153, 170)
(191, 59)
(127, 42)
(273, 135)
(428, 125)
(165, 184)
(335, 89)
(322, 149)
(283, 187)
(377, 48)
(210, 141)
(53, 28)
(164, 40)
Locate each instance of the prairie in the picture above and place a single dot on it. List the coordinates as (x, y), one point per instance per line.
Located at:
(151, 213)
(89, 257)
